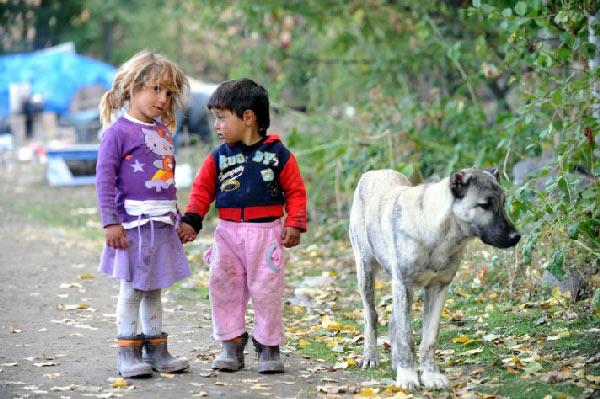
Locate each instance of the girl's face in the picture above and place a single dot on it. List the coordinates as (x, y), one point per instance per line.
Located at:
(229, 127)
(150, 101)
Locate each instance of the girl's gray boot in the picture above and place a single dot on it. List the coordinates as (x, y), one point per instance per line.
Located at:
(268, 358)
(129, 360)
(156, 354)
(231, 357)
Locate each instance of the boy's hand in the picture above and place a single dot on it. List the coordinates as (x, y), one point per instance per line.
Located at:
(116, 237)
(186, 233)
(290, 237)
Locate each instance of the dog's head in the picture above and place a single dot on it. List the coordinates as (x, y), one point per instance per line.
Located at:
(479, 206)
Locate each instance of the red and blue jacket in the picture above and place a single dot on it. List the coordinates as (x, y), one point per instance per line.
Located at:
(249, 183)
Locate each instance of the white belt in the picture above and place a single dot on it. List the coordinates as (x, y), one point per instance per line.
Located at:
(155, 210)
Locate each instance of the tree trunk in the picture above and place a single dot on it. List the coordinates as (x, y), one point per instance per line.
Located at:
(107, 40)
(593, 25)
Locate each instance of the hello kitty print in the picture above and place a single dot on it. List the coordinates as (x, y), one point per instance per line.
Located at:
(160, 143)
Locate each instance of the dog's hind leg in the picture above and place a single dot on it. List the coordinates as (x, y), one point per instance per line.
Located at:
(366, 272)
(433, 303)
(407, 376)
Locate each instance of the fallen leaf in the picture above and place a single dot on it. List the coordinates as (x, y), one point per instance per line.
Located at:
(77, 306)
(45, 364)
(260, 386)
(70, 285)
(593, 378)
(340, 366)
(328, 379)
(490, 337)
(472, 351)
(532, 367)
(366, 393)
(338, 349)
(476, 371)
(167, 375)
(332, 389)
(463, 339)
(86, 276)
(71, 387)
(119, 383)
(297, 310)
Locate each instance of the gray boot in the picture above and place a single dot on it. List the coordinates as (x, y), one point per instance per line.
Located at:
(129, 361)
(156, 354)
(231, 357)
(268, 358)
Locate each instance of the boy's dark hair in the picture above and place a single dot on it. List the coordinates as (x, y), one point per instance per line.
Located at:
(241, 95)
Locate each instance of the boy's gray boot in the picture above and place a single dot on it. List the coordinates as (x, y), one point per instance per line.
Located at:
(268, 358)
(231, 357)
(156, 354)
(129, 360)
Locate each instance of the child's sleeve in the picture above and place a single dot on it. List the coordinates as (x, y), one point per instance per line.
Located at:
(295, 194)
(202, 195)
(107, 169)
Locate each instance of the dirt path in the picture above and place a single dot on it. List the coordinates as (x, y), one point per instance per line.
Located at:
(48, 350)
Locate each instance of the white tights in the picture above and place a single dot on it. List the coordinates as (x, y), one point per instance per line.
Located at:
(134, 303)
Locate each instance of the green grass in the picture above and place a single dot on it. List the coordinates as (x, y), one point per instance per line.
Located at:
(512, 386)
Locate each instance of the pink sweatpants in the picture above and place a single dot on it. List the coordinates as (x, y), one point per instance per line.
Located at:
(246, 261)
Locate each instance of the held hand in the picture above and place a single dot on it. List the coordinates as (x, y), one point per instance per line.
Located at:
(290, 237)
(186, 233)
(115, 236)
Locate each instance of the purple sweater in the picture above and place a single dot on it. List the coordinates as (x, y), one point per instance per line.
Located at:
(135, 161)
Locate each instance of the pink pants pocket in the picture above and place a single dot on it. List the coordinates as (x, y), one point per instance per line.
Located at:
(208, 255)
(274, 257)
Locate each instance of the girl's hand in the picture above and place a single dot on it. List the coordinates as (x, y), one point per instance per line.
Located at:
(186, 233)
(115, 236)
(290, 237)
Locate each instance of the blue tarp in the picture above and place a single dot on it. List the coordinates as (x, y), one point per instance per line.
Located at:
(54, 76)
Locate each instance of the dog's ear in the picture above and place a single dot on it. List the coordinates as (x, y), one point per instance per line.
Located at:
(494, 172)
(458, 183)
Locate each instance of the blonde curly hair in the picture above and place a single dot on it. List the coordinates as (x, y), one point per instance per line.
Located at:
(144, 68)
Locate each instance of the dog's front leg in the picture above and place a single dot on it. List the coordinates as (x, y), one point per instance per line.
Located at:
(407, 376)
(433, 303)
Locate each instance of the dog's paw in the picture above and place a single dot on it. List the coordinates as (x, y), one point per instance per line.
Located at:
(407, 378)
(434, 380)
(369, 360)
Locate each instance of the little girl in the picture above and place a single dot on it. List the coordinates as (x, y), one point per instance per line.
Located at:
(138, 206)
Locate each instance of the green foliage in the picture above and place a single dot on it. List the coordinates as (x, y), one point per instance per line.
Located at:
(429, 88)
(547, 50)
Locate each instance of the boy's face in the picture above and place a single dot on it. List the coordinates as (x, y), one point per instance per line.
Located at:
(230, 128)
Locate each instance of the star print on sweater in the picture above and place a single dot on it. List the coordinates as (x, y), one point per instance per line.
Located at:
(137, 166)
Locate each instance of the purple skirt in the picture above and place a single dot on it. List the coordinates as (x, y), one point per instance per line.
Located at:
(154, 259)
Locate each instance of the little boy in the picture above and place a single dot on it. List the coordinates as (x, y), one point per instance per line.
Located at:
(252, 177)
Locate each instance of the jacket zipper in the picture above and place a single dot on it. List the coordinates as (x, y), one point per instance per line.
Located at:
(244, 174)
